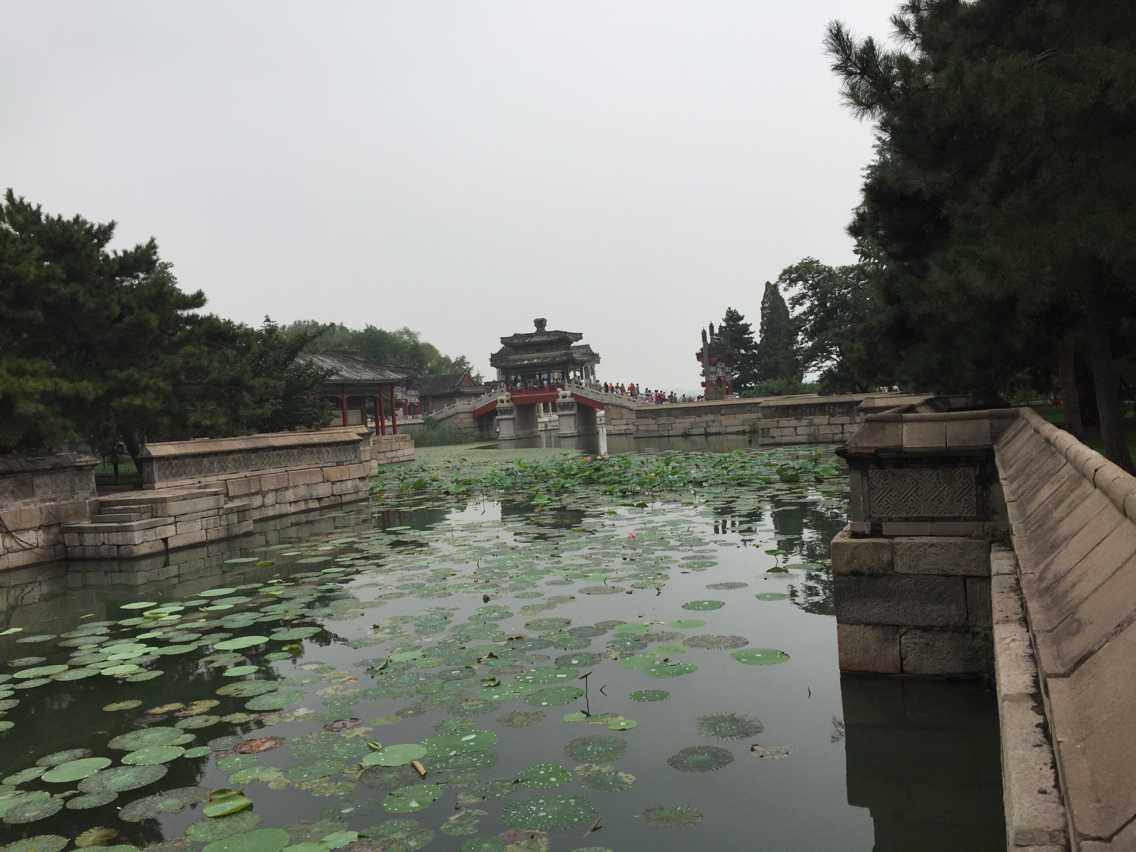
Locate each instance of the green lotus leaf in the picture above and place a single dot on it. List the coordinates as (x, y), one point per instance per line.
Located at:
(760, 656)
(75, 770)
(549, 813)
(703, 605)
(412, 798)
(239, 643)
(257, 840)
(700, 759)
(729, 726)
(39, 843)
(153, 755)
(646, 695)
(395, 755)
(596, 749)
(554, 696)
(543, 776)
(119, 779)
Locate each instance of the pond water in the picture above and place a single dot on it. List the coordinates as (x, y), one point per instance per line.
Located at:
(573, 664)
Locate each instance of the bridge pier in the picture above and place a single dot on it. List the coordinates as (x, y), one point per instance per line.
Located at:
(506, 418)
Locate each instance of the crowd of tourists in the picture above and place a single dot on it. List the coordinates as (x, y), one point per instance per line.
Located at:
(638, 394)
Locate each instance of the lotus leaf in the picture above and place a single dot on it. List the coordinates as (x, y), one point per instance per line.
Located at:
(549, 813)
(700, 759)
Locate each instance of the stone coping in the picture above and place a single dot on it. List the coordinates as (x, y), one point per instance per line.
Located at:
(273, 441)
(10, 465)
(1108, 478)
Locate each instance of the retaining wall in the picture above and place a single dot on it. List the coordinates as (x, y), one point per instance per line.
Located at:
(38, 496)
(1073, 523)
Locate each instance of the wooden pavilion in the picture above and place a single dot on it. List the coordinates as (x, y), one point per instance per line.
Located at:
(358, 387)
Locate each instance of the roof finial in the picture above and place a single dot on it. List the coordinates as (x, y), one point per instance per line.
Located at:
(541, 324)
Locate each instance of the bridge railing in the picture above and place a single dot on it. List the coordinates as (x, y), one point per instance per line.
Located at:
(463, 405)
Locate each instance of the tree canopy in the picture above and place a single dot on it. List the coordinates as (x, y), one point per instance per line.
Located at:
(736, 336)
(401, 349)
(100, 345)
(776, 362)
(1000, 194)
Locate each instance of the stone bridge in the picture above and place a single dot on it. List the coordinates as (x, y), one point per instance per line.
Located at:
(992, 543)
(570, 412)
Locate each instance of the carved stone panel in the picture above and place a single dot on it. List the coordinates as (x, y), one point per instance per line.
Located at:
(915, 493)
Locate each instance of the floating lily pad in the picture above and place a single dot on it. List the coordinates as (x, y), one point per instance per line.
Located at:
(225, 803)
(23, 776)
(258, 840)
(603, 777)
(33, 809)
(207, 830)
(412, 798)
(703, 605)
(119, 779)
(239, 643)
(729, 726)
(39, 672)
(647, 695)
(88, 801)
(40, 843)
(153, 755)
(549, 813)
(543, 776)
(771, 596)
(99, 835)
(727, 586)
(760, 656)
(159, 735)
(672, 816)
(596, 749)
(700, 759)
(75, 770)
(398, 835)
(167, 802)
(395, 755)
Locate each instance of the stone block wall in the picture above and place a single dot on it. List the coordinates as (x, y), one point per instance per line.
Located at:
(38, 497)
(912, 605)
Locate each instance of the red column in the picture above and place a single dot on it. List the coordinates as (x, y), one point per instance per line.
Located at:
(394, 420)
(379, 415)
(343, 408)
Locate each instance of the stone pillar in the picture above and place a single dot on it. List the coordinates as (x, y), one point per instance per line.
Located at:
(601, 426)
(506, 418)
(912, 568)
(566, 415)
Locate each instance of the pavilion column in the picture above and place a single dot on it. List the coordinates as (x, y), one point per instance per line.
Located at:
(394, 419)
(363, 411)
(379, 414)
(343, 408)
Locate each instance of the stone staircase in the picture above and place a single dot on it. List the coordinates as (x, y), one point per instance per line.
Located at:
(141, 523)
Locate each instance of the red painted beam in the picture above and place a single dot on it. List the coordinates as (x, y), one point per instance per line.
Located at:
(590, 403)
(485, 409)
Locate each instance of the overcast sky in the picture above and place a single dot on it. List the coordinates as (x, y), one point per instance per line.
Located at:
(625, 168)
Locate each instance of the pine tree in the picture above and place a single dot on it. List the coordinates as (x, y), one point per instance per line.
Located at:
(777, 360)
(736, 335)
(1001, 192)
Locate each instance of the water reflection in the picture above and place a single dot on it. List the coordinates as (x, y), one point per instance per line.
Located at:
(923, 758)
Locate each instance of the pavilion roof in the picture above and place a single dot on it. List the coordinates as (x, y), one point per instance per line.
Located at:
(445, 383)
(346, 369)
(560, 357)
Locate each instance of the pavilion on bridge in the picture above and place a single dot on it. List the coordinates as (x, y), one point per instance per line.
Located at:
(359, 388)
(544, 358)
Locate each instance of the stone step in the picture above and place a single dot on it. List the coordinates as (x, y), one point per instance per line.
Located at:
(119, 517)
(138, 510)
(98, 526)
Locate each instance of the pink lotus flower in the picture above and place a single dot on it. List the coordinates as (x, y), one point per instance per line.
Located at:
(632, 534)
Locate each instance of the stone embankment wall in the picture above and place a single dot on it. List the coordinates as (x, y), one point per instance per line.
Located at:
(38, 496)
(195, 492)
(1073, 523)
(984, 539)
